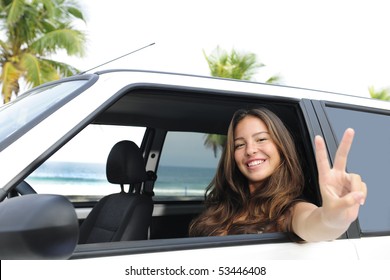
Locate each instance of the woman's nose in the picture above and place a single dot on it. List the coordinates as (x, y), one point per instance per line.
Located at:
(250, 149)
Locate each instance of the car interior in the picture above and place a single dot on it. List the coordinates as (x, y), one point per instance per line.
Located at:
(125, 215)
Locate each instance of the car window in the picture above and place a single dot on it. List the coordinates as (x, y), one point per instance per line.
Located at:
(78, 169)
(369, 156)
(186, 166)
(34, 106)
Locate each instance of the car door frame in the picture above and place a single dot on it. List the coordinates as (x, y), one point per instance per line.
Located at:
(321, 126)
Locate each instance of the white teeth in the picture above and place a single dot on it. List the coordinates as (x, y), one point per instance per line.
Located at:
(255, 162)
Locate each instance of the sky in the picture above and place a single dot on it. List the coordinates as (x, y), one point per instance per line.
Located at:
(339, 46)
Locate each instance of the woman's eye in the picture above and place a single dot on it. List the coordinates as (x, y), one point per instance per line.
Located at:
(237, 146)
(261, 139)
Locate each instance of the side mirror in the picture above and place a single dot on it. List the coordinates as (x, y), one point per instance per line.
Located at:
(37, 226)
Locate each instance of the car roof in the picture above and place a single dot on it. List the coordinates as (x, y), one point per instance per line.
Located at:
(243, 87)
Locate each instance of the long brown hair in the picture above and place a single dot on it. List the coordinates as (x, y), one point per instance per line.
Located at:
(231, 208)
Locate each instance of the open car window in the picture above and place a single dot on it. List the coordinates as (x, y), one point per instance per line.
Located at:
(186, 167)
(78, 169)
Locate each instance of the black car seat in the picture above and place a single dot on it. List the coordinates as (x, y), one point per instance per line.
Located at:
(124, 215)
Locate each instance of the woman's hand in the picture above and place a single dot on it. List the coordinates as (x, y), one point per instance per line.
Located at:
(342, 193)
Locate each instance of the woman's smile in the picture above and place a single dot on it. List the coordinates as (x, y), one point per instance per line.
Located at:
(255, 162)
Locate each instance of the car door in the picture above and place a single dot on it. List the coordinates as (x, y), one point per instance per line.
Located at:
(368, 157)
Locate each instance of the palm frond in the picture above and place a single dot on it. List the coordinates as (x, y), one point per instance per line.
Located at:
(273, 80)
(72, 41)
(48, 71)
(15, 11)
(383, 94)
(245, 65)
(233, 65)
(215, 142)
(76, 13)
(63, 10)
(4, 49)
(30, 63)
(9, 78)
(63, 69)
(48, 6)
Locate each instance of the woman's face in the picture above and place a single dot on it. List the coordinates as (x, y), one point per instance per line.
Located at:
(255, 153)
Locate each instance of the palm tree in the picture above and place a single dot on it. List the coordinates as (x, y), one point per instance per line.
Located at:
(34, 30)
(383, 94)
(215, 142)
(233, 65)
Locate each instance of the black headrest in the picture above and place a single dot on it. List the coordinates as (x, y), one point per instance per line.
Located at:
(125, 164)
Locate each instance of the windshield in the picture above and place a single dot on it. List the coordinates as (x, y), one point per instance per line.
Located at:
(20, 115)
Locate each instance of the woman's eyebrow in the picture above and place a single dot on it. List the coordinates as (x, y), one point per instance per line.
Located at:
(253, 135)
(261, 132)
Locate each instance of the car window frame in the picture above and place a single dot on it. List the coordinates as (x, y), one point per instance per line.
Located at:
(325, 130)
(188, 243)
(354, 231)
(122, 248)
(90, 80)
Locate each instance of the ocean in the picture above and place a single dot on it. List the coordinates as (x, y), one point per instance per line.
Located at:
(77, 178)
(183, 181)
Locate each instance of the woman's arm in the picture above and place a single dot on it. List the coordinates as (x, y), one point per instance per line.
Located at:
(342, 194)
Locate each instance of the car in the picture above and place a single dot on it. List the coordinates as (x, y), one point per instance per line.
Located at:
(63, 144)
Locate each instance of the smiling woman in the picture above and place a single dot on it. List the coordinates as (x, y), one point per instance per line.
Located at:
(258, 181)
(258, 186)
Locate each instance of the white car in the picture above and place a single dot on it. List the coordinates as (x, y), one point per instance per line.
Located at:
(56, 163)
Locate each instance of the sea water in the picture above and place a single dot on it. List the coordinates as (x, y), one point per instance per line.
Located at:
(79, 178)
